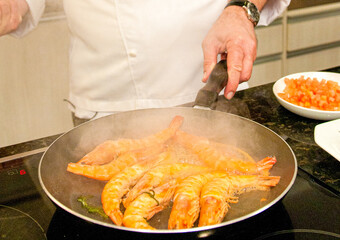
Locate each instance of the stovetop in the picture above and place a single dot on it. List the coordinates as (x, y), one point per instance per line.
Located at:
(310, 210)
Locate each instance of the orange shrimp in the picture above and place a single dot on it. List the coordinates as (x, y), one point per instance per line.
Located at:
(161, 174)
(107, 171)
(109, 150)
(219, 192)
(183, 154)
(232, 151)
(146, 205)
(214, 158)
(185, 209)
(119, 185)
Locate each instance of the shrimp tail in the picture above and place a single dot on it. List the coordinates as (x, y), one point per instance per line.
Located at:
(265, 164)
(176, 123)
(85, 170)
(268, 181)
(117, 217)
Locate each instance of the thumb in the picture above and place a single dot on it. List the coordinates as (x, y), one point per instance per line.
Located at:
(23, 7)
(210, 60)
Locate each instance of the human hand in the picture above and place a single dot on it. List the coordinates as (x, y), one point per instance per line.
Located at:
(232, 36)
(11, 13)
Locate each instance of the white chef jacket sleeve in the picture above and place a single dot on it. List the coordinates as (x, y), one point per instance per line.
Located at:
(272, 10)
(31, 19)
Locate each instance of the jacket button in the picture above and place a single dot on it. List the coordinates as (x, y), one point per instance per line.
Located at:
(133, 53)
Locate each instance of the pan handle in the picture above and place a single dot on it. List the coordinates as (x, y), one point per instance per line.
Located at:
(218, 79)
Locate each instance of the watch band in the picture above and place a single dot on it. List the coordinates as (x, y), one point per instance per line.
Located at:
(250, 8)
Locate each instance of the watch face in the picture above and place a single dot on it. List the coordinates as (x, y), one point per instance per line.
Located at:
(253, 13)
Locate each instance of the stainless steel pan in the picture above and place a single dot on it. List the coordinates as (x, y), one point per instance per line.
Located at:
(64, 188)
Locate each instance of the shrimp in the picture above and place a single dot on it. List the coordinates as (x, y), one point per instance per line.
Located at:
(109, 150)
(146, 205)
(161, 174)
(219, 192)
(119, 185)
(185, 209)
(183, 154)
(232, 151)
(265, 165)
(214, 158)
(107, 171)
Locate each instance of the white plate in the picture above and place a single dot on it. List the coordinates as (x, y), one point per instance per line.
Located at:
(327, 136)
(280, 85)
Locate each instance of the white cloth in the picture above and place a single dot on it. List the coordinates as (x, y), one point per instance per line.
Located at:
(128, 54)
(31, 19)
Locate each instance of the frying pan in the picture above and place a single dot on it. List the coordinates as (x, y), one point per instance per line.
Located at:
(63, 187)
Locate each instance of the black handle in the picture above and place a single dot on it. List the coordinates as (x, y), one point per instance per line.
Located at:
(218, 79)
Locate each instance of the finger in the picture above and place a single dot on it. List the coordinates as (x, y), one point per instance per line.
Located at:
(12, 16)
(210, 60)
(247, 68)
(5, 16)
(22, 8)
(4, 12)
(15, 18)
(234, 63)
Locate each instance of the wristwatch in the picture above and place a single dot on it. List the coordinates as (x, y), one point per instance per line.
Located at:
(251, 10)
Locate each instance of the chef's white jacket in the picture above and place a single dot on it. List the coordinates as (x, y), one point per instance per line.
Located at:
(132, 54)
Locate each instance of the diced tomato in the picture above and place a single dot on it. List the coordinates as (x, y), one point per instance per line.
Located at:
(311, 93)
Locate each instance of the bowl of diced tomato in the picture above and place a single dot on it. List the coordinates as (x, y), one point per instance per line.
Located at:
(314, 95)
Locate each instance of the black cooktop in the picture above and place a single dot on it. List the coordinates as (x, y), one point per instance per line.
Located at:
(308, 211)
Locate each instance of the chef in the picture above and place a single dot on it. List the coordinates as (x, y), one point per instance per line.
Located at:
(133, 54)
